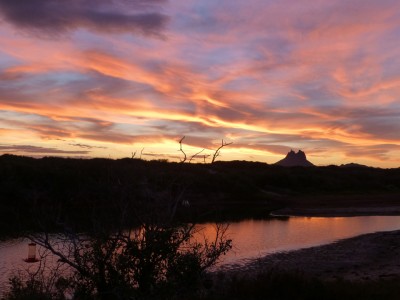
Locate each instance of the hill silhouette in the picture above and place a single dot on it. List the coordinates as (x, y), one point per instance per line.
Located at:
(77, 188)
(353, 165)
(294, 159)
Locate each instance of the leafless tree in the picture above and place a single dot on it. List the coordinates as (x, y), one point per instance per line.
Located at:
(218, 151)
(193, 156)
(184, 154)
(181, 149)
(141, 152)
(214, 157)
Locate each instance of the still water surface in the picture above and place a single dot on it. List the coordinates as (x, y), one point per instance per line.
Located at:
(251, 238)
(256, 238)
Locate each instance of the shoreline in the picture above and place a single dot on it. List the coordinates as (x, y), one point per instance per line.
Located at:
(367, 257)
(336, 211)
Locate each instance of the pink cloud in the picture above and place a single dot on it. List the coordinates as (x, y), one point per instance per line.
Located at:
(314, 75)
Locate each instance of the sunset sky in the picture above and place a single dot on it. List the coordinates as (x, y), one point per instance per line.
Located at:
(105, 78)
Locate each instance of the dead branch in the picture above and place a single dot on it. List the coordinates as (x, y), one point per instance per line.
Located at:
(195, 155)
(180, 149)
(218, 151)
(205, 156)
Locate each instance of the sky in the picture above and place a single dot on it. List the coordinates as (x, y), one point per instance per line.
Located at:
(117, 78)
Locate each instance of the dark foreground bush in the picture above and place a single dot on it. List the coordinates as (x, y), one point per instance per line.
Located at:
(282, 286)
(266, 286)
(31, 289)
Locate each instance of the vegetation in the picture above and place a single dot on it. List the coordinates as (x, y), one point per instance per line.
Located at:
(214, 191)
(288, 286)
(121, 242)
(126, 228)
(263, 286)
(151, 262)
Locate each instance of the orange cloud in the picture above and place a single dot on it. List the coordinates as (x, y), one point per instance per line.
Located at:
(313, 75)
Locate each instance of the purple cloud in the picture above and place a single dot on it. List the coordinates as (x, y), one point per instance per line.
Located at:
(52, 17)
(36, 150)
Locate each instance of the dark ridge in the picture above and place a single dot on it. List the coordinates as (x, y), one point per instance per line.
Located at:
(353, 165)
(74, 189)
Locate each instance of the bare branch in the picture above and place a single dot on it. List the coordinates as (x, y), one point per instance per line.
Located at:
(195, 155)
(218, 151)
(180, 149)
(44, 241)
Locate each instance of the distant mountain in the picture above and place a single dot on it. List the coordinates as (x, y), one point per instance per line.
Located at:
(294, 159)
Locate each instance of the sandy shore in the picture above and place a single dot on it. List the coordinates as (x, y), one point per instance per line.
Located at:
(362, 258)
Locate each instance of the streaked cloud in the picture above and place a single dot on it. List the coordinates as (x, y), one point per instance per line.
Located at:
(54, 18)
(269, 76)
(84, 146)
(37, 150)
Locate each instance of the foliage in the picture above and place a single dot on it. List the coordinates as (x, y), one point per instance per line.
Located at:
(132, 245)
(122, 221)
(27, 290)
(153, 261)
(42, 283)
(232, 189)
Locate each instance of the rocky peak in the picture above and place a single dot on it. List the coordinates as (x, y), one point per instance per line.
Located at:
(301, 155)
(294, 159)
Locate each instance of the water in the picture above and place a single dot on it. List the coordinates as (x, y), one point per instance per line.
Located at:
(256, 238)
(251, 238)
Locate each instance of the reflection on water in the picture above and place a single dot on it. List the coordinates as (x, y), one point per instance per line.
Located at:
(256, 238)
(12, 253)
(251, 238)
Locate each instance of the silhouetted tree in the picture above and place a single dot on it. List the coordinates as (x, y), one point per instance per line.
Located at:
(218, 151)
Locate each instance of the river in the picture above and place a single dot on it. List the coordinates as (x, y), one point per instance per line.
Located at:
(251, 238)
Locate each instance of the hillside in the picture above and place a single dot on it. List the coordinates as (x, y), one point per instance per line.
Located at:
(76, 188)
